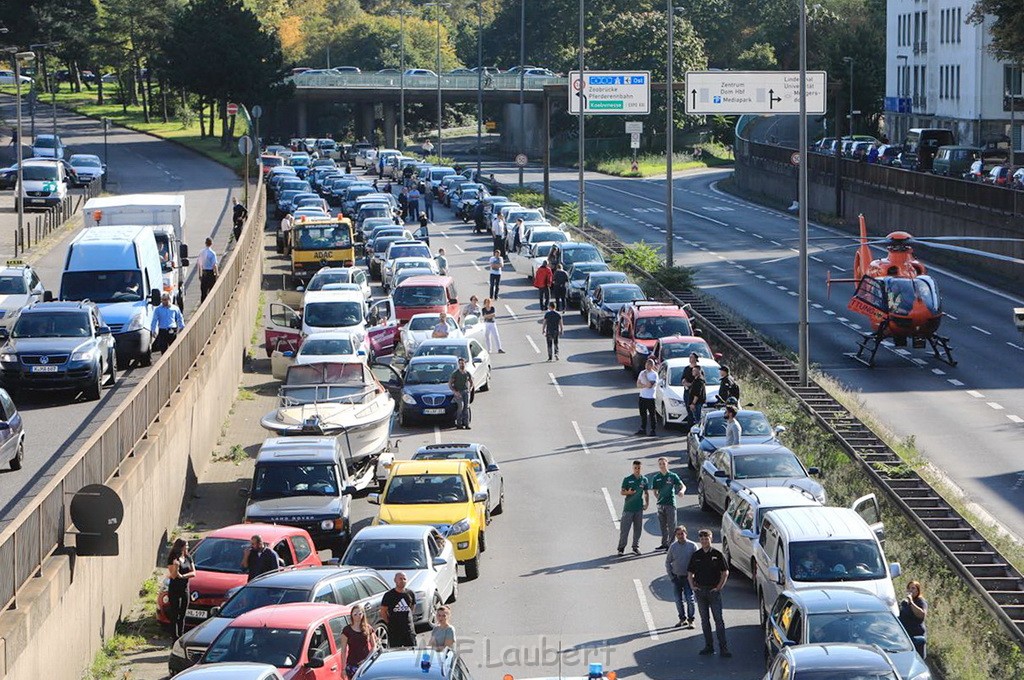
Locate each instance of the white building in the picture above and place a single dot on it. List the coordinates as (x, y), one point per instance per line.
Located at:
(939, 73)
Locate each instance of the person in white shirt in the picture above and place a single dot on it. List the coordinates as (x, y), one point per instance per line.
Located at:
(646, 381)
(498, 233)
(207, 269)
(733, 429)
(287, 222)
(494, 267)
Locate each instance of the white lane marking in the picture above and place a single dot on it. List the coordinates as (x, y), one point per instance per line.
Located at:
(951, 316)
(1015, 419)
(761, 276)
(842, 319)
(976, 394)
(998, 407)
(460, 249)
(817, 259)
(793, 293)
(981, 330)
(533, 344)
(437, 434)
(586, 450)
(511, 313)
(675, 207)
(813, 304)
(759, 236)
(954, 382)
(776, 243)
(611, 507)
(1014, 346)
(795, 250)
(475, 265)
(651, 630)
(558, 388)
(770, 282)
(838, 268)
(830, 312)
(443, 234)
(938, 371)
(740, 229)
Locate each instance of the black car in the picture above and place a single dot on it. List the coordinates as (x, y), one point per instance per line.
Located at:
(330, 584)
(425, 392)
(58, 346)
(9, 177)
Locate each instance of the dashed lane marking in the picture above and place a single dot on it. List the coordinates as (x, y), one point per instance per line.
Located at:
(533, 344)
(951, 316)
(459, 248)
(981, 330)
(611, 507)
(558, 388)
(586, 450)
(838, 268)
(511, 313)
(954, 382)
(475, 265)
(994, 405)
(938, 371)
(1014, 346)
(976, 394)
(1015, 419)
(648, 618)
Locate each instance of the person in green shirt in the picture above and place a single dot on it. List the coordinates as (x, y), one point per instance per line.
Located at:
(461, 385)
(633, 507)
(667, 485)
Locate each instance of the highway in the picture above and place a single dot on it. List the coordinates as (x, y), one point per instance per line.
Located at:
(966, 420)
(56, 424)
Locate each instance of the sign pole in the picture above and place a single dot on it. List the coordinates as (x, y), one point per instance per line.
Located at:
(582, 144)
(803, 333)
(669, 142)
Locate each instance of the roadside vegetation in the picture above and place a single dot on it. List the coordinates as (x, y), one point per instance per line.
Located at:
(708, 155)
(133, 633)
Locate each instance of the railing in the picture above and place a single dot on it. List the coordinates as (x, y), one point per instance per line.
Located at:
(39, 528)
(47, 222)
(385, 81)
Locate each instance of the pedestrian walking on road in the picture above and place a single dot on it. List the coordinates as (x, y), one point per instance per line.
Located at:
(491, 326)
(646, 381)
(559, 286)
(208, 270)
(428, 200)
(258, 558)
(239, 213)
(167, 322)
(636, 490)
(180, 568)
(442, 262)
(495, 265)
(733, 429)
(397, 608)
(913, 610)
(677, 564)
(442, 636)
(542, 282)
(728, 388)
(666, 485)
(553, 328)
(358, 640)
(461, 385)
(423, 234)
(708, 572)
(414, 201)
(698, 395)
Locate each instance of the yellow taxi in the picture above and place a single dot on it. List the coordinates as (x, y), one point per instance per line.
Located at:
(440, 493)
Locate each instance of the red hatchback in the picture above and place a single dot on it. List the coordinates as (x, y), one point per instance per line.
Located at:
(218, 559)
(421, 294)
(643, 323)
(302, 640)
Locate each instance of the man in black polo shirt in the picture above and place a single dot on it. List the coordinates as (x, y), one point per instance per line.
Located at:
(259, 558)
(708, 572)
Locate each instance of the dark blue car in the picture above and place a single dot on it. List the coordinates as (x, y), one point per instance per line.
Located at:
(12, 432)
(425, 393)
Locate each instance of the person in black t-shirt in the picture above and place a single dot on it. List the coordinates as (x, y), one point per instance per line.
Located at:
(259, 558)
(708, 572)
(397, 608)
(553, 328)
(913, 610)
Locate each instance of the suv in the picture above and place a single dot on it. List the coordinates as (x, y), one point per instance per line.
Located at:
(44, 183)
(643, 323)
(57, 346)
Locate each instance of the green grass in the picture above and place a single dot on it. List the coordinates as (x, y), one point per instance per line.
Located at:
(236, 454)
(246, 395)
(648, 165)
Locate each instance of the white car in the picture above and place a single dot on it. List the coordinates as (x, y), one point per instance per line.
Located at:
(7, 78)
(329, 346)
(332, 310)
(330, 275)
(48, 146)
(19, 287)
(421, 327)
(425, 557)
(668, 391)
(392, 267)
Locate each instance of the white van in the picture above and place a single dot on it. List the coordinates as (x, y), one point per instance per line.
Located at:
(118, 268)
(820, 547)
(44, 183)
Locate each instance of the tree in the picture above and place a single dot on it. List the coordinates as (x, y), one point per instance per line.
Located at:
(367, 43)
(1006, 25)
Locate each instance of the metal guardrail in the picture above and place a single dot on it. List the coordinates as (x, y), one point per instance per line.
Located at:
(386, 81)
(39, 528)
(998, 584)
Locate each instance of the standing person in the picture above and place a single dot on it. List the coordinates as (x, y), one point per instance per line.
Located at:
(461, 385)
(498, 233)
(239, 213)
(443, 634)
(479, 218)
(403, 204)
(553, 328)
(517, 236)
(495, 265)
(733, 429)
(698, 395)
(442, 262)
(633, 507)
(560, 286)
(473, 308)
(441, 327)
(491, 326)
(180, 568)
(414, 201)
(287, 223)
(677, 563)
(708, 572)
(645, 382)
(208, 270)
(397, 607)
(913, 610)
(554, 256)
(542, 282)
(167, 321)
(428, 199)
(688, 375)
(358, 639)
(425, 226)
(666, 485)
(728, 388)
(259, 559)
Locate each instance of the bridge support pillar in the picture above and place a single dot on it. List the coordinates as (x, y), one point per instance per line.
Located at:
(300, 118)
(533, 130)
(390, 126)
(365, 122)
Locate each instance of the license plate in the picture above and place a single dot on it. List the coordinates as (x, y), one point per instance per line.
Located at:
(37, 200)
(196, 613)
(44, 369)
(433, 411)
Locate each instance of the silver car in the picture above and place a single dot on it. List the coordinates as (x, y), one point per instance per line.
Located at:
(488, 474)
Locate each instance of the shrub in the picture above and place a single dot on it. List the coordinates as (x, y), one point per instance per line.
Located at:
(568, 213)
(641, 255)
(527, 198)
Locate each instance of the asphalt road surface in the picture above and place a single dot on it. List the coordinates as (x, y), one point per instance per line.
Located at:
(966, 420)
(57, 423)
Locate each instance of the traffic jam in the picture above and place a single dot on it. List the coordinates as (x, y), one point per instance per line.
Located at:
(372, 339)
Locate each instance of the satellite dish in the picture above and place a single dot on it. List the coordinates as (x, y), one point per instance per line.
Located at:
(97, 512)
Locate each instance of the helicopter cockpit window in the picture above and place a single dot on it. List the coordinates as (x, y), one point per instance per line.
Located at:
(901, 294)
(869, 290)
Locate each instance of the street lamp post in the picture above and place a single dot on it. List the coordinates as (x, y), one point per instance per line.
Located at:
(106, 156)
(19, 198)
(522, 84)
(583, 185)
(437, 15)
(401, 78)
(669, 137)
(479, 85)
(849, 60)
(803, 334)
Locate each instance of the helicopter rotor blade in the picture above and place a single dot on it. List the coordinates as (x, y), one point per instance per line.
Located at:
(972, 251)
(821, 250)
(927, 239)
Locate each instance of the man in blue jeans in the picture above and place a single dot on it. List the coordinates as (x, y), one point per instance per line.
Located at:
(708, 572)
(461, 385)
(677, 561)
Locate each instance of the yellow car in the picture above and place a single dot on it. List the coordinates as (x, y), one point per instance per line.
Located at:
(440, 493)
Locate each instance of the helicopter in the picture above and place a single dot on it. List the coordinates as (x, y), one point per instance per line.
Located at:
(898, 296)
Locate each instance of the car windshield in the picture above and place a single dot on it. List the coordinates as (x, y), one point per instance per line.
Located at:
(573, 255)
(443, 349)
(85, 162)
(580, 272)
(712, 376)
(327, 237)
(525, 216)
(280, 647)
(395, 554)
(39, 173)
(879, 628)
(414, 489)
(429, 372)
(753, 423)
(51, 325)
(675, 350)
(374, 211)
(548, 236)
(298, 159)
(836, 560)
(623, 294)
(325, 346)
(415, 264)
(454, 454)
(419, 296)
(13, 285)
(844, 674)
(409, 251)
(222, 555)
(655, 327)
(280, 480)
(102, 286)
(254, 596)
(778, 464)
(609, 277)
(426, 323)
(45, 142)
(320, 280)
(334, 314)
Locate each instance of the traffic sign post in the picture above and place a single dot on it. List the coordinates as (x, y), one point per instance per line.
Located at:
(232, 109)
(521, 160)
(795, 158)
(634, 140)
(610, 93)
(634, 126)
(733, 93)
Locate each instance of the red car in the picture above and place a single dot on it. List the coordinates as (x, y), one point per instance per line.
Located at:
(674, 347)
(218, 559)
(421, 294)
(642, 324)
(301, 639)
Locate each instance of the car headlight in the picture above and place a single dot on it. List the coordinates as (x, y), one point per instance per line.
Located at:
(332, 524)
(381, 521)
(408, 399)
(83, 355)
(460, 527)
(9, 358)
(136, 323)
(642, 349)
(178, 649)
(678, 403)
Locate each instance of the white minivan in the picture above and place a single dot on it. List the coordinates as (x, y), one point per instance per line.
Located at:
(820, 547)
(44, 183)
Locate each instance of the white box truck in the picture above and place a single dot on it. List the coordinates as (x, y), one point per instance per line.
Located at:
(165, 213)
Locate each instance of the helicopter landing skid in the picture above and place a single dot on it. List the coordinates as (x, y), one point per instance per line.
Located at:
(939, 342)
(870, 342)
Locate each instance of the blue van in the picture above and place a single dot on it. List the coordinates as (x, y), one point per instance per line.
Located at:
(117, 268)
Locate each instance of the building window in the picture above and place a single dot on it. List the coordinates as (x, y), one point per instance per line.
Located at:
(959, 23)
(1011, 80)
(958, 81)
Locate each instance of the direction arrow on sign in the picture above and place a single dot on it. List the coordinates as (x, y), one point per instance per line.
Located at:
(610, 92)
(752, 92)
